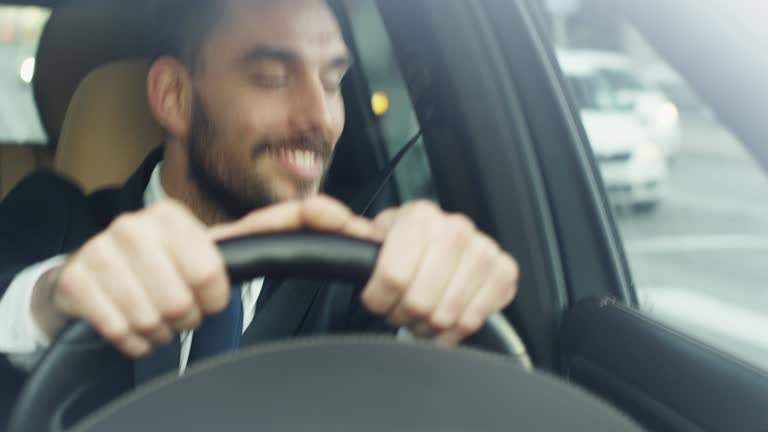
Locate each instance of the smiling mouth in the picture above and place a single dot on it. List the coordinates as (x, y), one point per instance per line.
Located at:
(300, 162)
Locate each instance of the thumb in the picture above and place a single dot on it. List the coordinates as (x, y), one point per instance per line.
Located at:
(320, 213)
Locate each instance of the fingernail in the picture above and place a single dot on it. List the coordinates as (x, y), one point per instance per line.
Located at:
(137, 347)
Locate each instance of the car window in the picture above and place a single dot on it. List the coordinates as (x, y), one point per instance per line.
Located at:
(594, 93)
(622, 79)
(390, 100)
(690, 202)
(20, 30)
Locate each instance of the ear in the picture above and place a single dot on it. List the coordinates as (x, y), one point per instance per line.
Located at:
(169, 88)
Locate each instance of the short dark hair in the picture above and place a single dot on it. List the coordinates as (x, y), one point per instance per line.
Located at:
(183, 26)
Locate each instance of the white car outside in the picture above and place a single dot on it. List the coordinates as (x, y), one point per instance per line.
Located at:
(658, 114)
(633, 165)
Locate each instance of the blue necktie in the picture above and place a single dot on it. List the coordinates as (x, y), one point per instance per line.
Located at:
(218, 334)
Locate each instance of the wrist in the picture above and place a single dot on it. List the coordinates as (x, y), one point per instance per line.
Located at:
(46, 314)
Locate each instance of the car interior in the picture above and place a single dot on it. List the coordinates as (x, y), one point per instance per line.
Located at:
(78, 77)
(91, 94)
(540, 200)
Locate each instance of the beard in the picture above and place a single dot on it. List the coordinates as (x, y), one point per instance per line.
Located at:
(230, 187)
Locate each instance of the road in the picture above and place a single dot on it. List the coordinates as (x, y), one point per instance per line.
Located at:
(701, 259)
(18, 116)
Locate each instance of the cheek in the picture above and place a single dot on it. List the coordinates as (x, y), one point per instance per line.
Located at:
(339, 121)
(241, 115)
(248, 123)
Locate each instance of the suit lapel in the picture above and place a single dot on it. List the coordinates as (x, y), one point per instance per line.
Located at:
(281, 309)
(131, 196)
(270, 287)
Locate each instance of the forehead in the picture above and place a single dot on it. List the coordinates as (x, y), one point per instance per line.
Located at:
(307, 27)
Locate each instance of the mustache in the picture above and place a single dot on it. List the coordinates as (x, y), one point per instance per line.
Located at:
(314, 143)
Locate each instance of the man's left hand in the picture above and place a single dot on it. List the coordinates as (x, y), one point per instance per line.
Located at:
(437, 274)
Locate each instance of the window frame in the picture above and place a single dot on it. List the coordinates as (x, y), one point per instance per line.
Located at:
(406, 187)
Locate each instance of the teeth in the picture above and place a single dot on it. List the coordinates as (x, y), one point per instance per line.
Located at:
(302, 158)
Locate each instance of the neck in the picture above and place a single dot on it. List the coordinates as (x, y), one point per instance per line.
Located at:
(175, 178)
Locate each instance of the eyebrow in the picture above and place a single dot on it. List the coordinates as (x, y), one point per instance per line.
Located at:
(344, 60)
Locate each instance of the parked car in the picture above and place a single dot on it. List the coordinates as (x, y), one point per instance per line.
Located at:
(656, 111)
(632, 164)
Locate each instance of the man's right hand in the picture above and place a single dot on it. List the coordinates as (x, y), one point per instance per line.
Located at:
(158, 271)
(148, 276)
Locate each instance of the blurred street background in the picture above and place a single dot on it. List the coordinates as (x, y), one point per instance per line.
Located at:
(699, 258)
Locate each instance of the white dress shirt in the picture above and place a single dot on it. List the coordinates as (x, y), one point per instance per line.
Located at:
(21, 338)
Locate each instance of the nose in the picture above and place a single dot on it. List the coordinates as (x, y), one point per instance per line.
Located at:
(312, 108)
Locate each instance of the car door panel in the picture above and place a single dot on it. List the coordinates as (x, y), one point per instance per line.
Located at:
(665, 379)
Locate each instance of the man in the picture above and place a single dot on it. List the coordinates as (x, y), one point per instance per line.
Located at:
(248, 92)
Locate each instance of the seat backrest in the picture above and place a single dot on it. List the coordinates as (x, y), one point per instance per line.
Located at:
(18, 161)
(80, 36)
(108, 129)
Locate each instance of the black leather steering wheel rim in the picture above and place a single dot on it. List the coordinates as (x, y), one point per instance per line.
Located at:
(79, 350)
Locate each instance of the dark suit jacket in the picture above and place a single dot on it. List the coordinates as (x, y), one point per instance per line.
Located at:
(47, 215)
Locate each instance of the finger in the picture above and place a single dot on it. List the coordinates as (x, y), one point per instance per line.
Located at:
(319, 213)
(422, 330)
(447, 246)
(497, 293)
(385, 220)
(109, 269)
(399, 259)
(323, 213)
(196, 258)
(449, 338)
(280, 217)
(161, 280)
(78, 295)
(471, 274)
(362, 228)
(380, 226)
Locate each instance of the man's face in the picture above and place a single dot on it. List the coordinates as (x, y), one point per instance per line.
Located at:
(267, 109)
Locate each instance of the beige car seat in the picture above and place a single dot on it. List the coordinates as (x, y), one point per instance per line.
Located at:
(108, 129)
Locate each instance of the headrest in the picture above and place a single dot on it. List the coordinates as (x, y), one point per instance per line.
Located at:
(108, 129)
(80, 36)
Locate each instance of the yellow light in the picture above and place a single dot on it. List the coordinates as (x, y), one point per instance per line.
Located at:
(380, 103)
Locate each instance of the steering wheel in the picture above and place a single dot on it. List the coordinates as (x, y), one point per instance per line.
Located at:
(80, 358)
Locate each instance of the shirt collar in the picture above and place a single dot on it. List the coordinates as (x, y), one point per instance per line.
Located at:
(154, 192)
